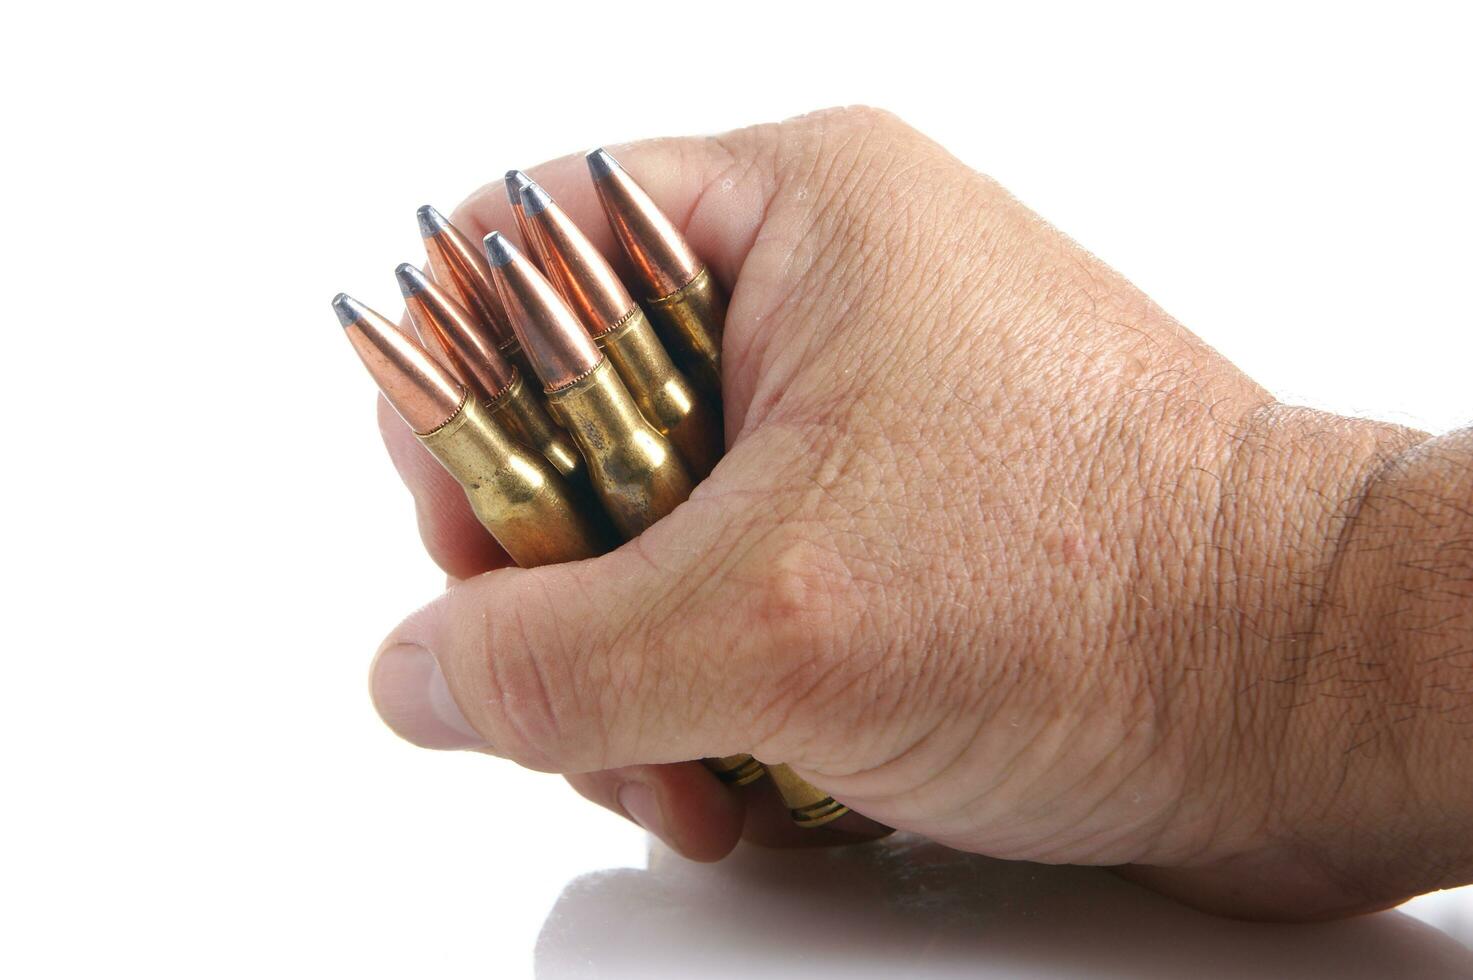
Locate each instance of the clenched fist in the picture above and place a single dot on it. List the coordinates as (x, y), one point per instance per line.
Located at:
(999, 553)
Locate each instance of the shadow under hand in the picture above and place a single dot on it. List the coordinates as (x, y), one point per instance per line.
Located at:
(907, 907)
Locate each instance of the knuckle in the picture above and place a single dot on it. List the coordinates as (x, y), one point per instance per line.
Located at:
(795, 600)
(801, 613)
(835, 150)
(855, 119)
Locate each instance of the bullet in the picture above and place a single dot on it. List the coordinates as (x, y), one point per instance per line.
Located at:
(634, 469)
(515, 493)
(689, 312)
(808, 805)
(459, 266)
(591, 289)
(445, 327)
(688, 307)
(515, 181)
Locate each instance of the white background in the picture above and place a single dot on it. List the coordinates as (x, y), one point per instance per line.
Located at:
(204, 542)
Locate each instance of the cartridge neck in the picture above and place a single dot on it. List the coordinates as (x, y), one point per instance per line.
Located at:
(692, 290)
(515, 493)
(599, 410)
(644, 366)
(513, 388)
(622, 325)
(468, 440)
(691, 321)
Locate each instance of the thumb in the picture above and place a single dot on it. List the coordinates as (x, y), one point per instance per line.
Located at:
(682, 645)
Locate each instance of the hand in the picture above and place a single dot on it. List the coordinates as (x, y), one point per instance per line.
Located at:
(999, 554)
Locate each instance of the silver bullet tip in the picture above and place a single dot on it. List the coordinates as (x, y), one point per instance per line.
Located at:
(534, 199)
(411, 280)
(515, 181)
(499, 251)
(348, 309)
(600, 164)
(431, 222)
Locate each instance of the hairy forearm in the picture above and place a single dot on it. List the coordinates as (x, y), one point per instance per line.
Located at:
(1396, 630)
(1351, 590)
(1336, 617)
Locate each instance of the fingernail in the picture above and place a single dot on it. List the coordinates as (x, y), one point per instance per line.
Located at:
(638, 801)
(413, 699)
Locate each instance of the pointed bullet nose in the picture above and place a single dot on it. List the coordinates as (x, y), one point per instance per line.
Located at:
(499, 251)
(550, 334)
(411, 280)
(348, 309)
(515, 182)
(600, 164)
(534, 199)
(575, 268)
(431, 222)
(421, 391)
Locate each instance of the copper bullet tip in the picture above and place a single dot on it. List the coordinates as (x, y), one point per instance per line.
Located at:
(658, 251)
(556, 344)
(421, 391)
(459, 266)
(449, 329)
(574, 266)
(515, 181)
(534, 199)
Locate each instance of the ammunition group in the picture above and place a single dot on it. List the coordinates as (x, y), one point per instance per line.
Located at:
(574, 411)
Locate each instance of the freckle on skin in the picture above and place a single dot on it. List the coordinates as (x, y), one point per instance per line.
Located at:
(1068, 546)
(1072, 547)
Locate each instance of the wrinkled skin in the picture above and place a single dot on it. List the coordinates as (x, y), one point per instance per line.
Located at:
(1000, 554)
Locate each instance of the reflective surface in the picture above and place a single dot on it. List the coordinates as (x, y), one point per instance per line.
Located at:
(908, 908)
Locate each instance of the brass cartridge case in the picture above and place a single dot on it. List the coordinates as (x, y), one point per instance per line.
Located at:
(521, 411)
(807, 805)
(451, 335)
(592, 291)
(736, 770)
(634, 470)
(690, 322)
(663, 394)
(637, 475)
(516, 494)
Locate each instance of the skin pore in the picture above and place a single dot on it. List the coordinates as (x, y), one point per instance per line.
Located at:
(1000, 554)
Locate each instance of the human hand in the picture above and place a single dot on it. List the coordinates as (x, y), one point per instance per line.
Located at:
(999, 554)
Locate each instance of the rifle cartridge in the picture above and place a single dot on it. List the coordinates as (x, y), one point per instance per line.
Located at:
(634, 469)
(808, 805)
(515, 493)
(617, 324)
(687, 306)
(447, 328)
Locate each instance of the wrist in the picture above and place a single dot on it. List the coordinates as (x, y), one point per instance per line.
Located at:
(1344, 644)
(1401, 603)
